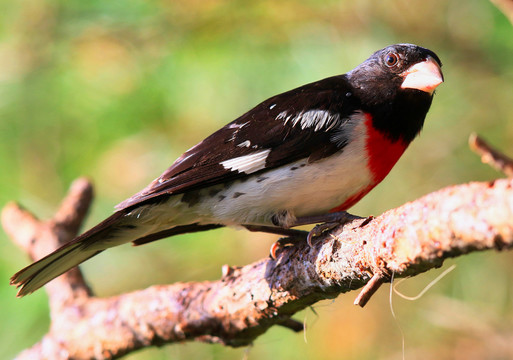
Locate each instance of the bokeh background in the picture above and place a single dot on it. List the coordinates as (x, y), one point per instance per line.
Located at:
(116, 90)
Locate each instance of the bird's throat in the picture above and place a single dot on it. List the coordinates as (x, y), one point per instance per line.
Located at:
(382, 151)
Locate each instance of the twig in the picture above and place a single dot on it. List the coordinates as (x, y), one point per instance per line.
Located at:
(506, 6)
(491, 156)
(369, 289)
(39, 238)
(293, 325)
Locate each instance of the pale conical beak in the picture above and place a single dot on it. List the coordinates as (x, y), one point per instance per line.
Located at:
(424, 76)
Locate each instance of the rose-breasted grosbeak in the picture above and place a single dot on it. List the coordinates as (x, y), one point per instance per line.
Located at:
(293, 159)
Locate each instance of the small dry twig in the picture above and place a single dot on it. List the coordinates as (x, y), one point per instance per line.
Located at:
(490, 155)
(506, 6)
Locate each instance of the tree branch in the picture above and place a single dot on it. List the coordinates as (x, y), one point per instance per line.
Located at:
(491, 156)
(39, 238)
(506, 6)
(248, 300)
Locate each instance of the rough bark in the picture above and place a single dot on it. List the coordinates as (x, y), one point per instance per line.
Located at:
(247, 301)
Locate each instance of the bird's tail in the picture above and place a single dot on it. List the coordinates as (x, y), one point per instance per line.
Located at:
(115, 230)
(48, 268)
(110, 232)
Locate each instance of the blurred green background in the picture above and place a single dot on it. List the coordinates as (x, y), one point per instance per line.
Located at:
(116, 90)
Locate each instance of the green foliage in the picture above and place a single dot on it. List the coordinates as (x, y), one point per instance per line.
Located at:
(117, 90)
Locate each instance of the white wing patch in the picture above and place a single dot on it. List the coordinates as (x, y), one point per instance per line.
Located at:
(237, 126)
(318, 119)
(248, 163)
(246, 143)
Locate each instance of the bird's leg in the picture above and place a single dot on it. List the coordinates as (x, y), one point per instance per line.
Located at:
(293, 233)
(340, 217)
(328, 222)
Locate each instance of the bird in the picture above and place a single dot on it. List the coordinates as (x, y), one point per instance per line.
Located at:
(304, 156)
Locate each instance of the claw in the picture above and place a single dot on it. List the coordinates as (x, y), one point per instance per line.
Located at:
(273, 250)
(280, 244)
(319, 229)
(367, 220)
(332, 220)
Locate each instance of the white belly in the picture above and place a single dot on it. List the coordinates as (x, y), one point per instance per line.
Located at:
(300, 188)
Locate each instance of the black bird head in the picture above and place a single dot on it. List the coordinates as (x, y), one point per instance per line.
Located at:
(396, 68)
(397, 84)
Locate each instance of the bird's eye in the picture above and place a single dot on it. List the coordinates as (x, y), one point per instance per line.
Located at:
(391, 59)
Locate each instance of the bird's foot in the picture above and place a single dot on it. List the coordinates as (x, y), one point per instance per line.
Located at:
(319, 229)
(285, 242)
(292, 236)
(328, 222)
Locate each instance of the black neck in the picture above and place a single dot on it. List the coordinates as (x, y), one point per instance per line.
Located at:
(403, 118)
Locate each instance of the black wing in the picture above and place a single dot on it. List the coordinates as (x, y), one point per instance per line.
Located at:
(290, 126)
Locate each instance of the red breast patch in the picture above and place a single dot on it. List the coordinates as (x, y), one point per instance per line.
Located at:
(382, 154)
